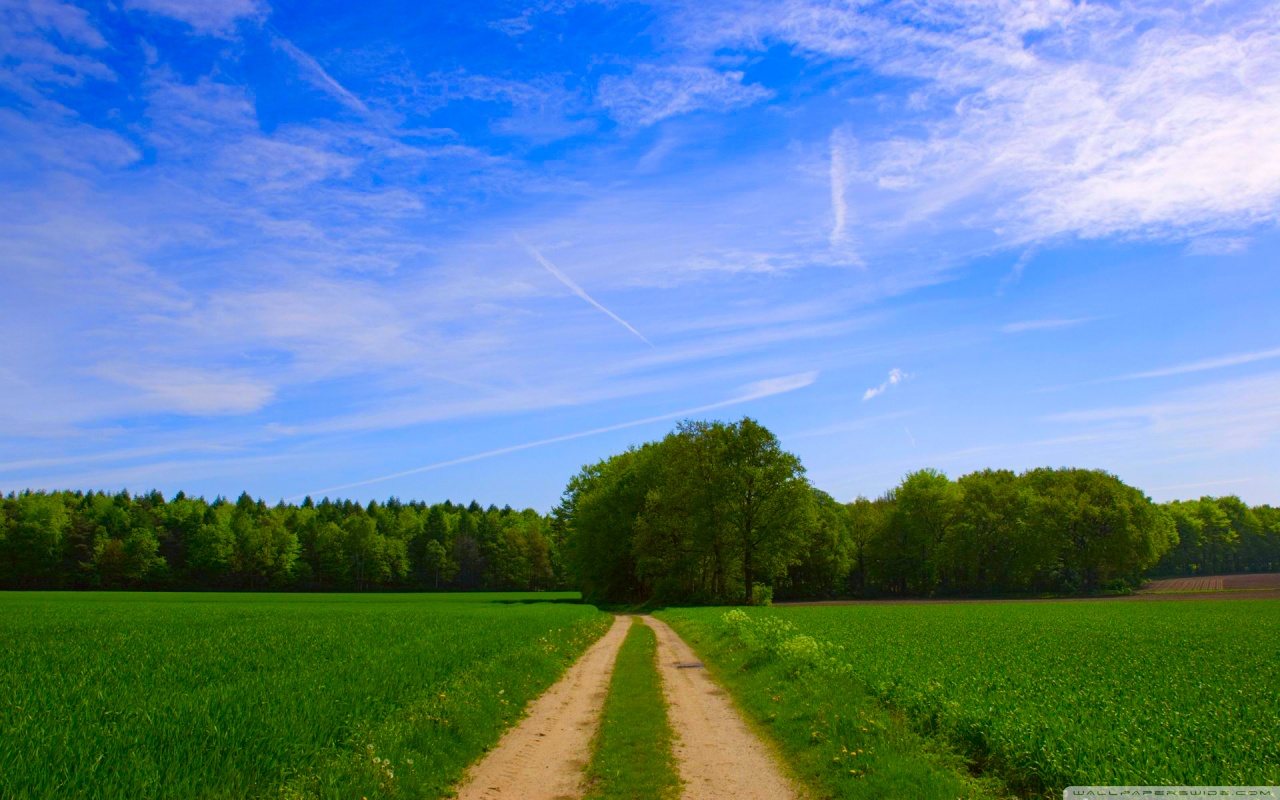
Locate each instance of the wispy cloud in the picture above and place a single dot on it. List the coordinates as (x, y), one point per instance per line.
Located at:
(1217, 245)
(1205, 365)
(578, 290)
(1173, 487)
(1026, 325)
(1054, 119)
(896, 376)
(755, 391)
(211, 18)
(1227, 416)
(851, 426)
(653, 92)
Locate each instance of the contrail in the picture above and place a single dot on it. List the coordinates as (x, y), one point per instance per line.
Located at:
(839, 175)
(578, 290)
(766, 388)
(317, 75)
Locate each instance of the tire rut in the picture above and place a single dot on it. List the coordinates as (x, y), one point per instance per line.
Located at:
(543, 757)
(718, 756)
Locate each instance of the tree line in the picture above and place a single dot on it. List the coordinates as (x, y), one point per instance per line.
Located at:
(719, 513)
(713, 513)
(91, 540)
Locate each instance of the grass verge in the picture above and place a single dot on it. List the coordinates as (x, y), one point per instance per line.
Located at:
(836, 737)
(631, 755)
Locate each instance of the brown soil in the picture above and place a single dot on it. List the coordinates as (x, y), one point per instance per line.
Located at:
(1266, 580)
(543, 757)
(1184, 585)
(718, 756)
(1264, 586)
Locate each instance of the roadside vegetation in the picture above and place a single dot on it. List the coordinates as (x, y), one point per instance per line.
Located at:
(837, 738)
(216, 695)
(1039, 695)
(631, 755)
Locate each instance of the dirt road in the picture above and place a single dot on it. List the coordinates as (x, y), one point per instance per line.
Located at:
(719, 757)
(543, 757)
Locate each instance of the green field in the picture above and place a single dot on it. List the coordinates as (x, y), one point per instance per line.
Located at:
(1042, 695)
(221, 695)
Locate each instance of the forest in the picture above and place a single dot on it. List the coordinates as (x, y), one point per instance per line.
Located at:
(712, 513)
(76, 540)
(720, 513)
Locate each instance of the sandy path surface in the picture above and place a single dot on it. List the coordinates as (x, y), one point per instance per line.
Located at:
(717, 754)
(543, 757)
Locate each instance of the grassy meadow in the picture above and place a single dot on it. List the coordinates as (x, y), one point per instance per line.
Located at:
(631, 754)
(1038, 695)
(153, 695)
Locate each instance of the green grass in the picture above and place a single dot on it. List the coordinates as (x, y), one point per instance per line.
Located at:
(631, 755)
(838, 739)
(1043, 695)
(222, 695)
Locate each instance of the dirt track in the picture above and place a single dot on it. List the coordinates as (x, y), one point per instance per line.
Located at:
(543, 757)
(719, 757)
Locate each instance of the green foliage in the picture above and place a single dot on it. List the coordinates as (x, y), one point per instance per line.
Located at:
(631, 755)
(1217, 535)
(224, 695)
(75, 540)
(715, 512)
(1048, 695)
(706, 514)
(836, 737)
(1044, 531)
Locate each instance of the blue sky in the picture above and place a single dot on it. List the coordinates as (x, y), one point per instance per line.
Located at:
(460, 250)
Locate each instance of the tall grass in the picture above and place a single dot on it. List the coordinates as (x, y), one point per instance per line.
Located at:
(1048, 695)
(214, 695)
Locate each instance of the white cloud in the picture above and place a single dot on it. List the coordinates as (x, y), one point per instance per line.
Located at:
(1207, 364)
(1026, 325)
(189, 390)
(896, 376)
(1217, 245)
(839, 181)
(1044, 119)
(1228, 416)
(35, 61)
(654, 92)
(210, 17)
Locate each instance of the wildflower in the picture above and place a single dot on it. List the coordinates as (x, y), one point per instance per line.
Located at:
(409, 761)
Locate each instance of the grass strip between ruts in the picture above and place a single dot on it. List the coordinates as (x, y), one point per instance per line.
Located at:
(837, 738)
(631, 756)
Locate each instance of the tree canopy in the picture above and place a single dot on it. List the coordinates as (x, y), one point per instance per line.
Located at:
(93, 540)
(712, 513)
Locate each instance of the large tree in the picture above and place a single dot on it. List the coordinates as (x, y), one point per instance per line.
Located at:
(705, 514)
